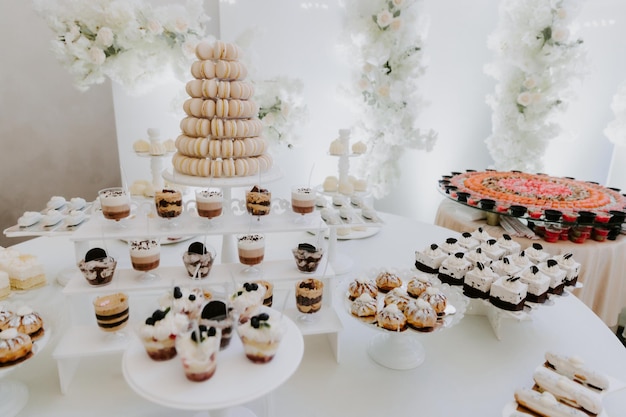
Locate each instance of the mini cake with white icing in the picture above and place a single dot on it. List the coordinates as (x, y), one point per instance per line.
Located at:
(505, 267)
(478, 280)
(508, 293)
(453, 269)
(557, 276)
(451, 246)
(468, 242)
(491, 248)
(571, 267)
(481, 234)
(536, 253)
(477, 255)
(538, 284)
(507, 243)
(429, 260)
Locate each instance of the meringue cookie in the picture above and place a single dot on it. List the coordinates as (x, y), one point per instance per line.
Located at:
(51, 218)
(56, 202)
(29, 218)
(74, 218)
(77, 203)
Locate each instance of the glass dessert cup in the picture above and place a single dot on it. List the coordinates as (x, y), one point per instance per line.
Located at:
(307, 257)
(302, 203)
(145, 257)
(209, 204)
(115, 204)
(309, 296)
(198, 260)
(258, 202)
(112, 315)
(251, 251)
(169, 206)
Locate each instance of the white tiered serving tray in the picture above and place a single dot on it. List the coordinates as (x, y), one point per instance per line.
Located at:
(236, 380)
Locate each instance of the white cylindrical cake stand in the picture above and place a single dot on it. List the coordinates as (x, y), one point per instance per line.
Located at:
(236, 380)
(229, 247)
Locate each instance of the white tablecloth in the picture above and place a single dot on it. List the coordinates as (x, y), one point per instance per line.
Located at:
(467, 371)
(603, 270)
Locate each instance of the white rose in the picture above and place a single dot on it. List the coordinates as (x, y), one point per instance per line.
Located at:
(269, 119)
(181, 25)
(96, 55)
(536, 98)
(524, 99)
(155, 27)
(72, 34)
(384, 18)
(530, 83)
(560, 34)
(396, 24)
(561, 13)
(363, 84)
(398, 3)
(383, 90)
(105, 37)
(367, 68)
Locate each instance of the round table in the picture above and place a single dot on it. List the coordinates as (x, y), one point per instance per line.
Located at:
(467, 372)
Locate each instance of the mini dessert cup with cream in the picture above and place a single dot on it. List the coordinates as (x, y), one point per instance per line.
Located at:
(115, 203)
(302, 200)
(251, 250)
(145, 256)
(209, 202)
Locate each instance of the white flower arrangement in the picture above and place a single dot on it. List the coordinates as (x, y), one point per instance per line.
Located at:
(616, 129)
(281, 109)
(129, 41)
(385, 42)
(537, 58)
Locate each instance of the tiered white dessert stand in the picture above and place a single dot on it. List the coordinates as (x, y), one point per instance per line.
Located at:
(83, 340)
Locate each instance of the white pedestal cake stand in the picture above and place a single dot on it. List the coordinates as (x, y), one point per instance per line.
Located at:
(403, 350)
(236, 380)
(14, 394)
(229, 248)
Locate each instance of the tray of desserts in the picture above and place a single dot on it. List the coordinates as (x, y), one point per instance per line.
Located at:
(403, 300)
(497, 273)
(560, 207)
(60, 216)
(194, 350)
(565, 386)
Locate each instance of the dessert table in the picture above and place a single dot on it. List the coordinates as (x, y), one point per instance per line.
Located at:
(603, 271)
(467, 370)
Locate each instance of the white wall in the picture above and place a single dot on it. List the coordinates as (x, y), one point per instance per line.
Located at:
(58, 141)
